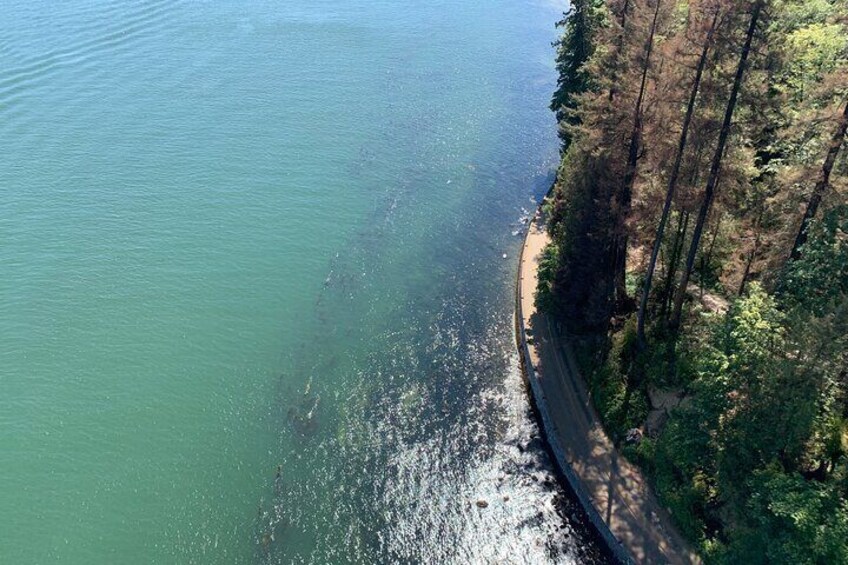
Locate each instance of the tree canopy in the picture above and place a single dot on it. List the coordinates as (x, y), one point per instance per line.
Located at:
(700, 252)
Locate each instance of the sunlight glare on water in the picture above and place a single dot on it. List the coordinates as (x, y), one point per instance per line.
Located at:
(255, 306)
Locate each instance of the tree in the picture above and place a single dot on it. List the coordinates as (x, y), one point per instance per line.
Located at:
(754, 459)
(672, 181)
(581, 227)
(818, 279)
(573, 49)
(822, 182)
(715, 168)
(625, 195)
(793, 521)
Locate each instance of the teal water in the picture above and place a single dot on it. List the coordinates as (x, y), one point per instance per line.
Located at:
(254, 300)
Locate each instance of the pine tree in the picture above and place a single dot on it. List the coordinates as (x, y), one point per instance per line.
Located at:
(715, 168)
(573, 49)
(822, 182)
(672, 179)
(624, 197)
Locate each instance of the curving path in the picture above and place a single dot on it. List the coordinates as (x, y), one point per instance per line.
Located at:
(613, 491)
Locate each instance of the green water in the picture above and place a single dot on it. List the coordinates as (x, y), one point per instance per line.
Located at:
(243, 237)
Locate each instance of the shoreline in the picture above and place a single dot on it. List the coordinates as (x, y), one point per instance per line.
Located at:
(636, 528)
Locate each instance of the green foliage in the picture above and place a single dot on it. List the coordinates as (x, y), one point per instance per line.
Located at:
(573, 49)
(812, 43)
(819, 279)
(620, 408)
(729, 462)
(582, 226)
(686, 496)
(645, 452)
(753, 463)
(548, 266)
(751, 335)
(792, 520)
(816, 49)
(663, 367)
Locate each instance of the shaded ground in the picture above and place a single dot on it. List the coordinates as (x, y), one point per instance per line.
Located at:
(611, 484)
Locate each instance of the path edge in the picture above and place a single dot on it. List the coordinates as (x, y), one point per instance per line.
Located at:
(540, 405)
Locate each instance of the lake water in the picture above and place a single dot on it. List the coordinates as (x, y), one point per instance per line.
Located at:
(254, 304)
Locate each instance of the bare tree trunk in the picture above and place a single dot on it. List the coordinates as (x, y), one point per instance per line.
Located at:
(709, 192)
(821, 183)
(748, 264)
(672, 185)
(753, 254)
(619, 43)
(707, 258)
(676, 249)
(626, 193)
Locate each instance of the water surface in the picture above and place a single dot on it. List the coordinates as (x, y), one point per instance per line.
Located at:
(254, 299)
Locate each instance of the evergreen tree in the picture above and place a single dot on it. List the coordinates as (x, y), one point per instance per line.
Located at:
(715, 167)
(736, 115)
(573, 49)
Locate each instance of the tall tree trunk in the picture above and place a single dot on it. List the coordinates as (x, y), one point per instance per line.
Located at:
(707, 258)
(679, 242)
(748, 264)
(709, 192)
(753, 254)
(619, 44)
(821, 183)
(676, 250)
(672, 184)
(626, 194)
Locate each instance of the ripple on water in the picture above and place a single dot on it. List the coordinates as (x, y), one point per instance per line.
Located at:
(435, 459)
(104, 32)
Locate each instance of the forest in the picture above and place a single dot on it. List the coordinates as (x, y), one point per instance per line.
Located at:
(699, 259)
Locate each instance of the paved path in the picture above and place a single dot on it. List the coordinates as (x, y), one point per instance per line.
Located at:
(613, 490)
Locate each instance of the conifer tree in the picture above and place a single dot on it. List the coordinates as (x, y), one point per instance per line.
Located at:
(754, 460)
(573, 49)
(672, 179)
(625, 196)
(715, 167)
(822, 182)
